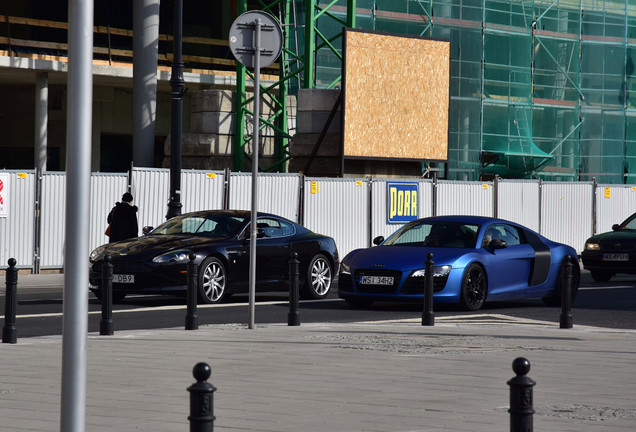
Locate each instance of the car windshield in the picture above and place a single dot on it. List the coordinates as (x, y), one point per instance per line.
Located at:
(630, 223)
(435, 234)
(213, 225)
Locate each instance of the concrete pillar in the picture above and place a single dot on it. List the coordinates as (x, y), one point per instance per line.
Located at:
(145, 49)
(41, 120)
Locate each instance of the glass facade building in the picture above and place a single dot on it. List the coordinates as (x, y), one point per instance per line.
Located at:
(539, 89)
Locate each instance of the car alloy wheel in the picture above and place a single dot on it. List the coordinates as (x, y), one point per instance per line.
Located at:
(473, 294)
(212, 281)
(319, 277)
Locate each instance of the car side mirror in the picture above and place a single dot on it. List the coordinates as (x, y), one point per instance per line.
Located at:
(146, 230)
(616, 227)
(378, 240)
(497, 244)
(260, 233)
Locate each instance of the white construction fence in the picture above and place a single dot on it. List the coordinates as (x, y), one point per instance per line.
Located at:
(352, 211)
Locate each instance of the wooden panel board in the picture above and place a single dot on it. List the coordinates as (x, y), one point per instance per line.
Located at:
(396, 96)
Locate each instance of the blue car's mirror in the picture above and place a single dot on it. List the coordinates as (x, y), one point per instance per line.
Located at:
(378, 240)
(497, 244)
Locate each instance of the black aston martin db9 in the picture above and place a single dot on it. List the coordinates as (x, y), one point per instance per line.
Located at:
(156, 263)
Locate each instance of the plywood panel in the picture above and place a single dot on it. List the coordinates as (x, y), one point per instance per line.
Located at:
(396, 92)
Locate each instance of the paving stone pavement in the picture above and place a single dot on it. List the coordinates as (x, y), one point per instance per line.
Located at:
(372, 377)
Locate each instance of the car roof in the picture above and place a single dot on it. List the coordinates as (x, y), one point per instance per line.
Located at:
(467, 219)
(240, 213)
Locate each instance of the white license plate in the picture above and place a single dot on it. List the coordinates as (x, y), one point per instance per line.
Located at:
(615, 257)
(120, 278)
(376, 280)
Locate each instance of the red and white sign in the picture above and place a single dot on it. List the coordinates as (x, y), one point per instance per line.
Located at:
(4, 192)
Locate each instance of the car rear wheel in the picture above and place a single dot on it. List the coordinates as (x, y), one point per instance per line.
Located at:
(319, 278)
(601, 275)
(212, 281)
(473, 290)
(556, 299)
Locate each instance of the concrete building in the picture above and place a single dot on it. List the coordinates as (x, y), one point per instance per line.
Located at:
(538, 88)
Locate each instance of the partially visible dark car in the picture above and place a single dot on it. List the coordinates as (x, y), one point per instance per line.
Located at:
(156, 263)
(609, 253)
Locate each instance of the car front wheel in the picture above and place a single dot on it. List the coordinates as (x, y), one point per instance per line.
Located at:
(601, 275)
(473, 290)
(319, 278)
(212, 281)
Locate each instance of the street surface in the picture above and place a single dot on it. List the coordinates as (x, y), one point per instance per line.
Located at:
(39, 311)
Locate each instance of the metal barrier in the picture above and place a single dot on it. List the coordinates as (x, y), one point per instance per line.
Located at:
(293, 317)
(201, 400)
(9, 331)
(359, 205)
(521, 409)
(106, 323)
(192, 319)
(566, 295)
(428, 316)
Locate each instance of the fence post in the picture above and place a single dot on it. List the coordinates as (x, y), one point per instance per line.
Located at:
(9, 332)
(428, 316)
(293, 317)
(201, 400)
(521, 409)
(106, 323)
(566, 294)
(192, 319)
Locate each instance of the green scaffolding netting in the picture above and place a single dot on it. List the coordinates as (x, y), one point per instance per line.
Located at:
(539, 89)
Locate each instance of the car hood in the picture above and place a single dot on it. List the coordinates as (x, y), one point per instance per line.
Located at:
(156, 244)
(625, 236)
(401, 257)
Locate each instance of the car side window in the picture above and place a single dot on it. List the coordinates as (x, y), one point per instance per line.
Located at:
(288, 229)
(271, 227)
(631, 224)
(505, 232)
(512, 236)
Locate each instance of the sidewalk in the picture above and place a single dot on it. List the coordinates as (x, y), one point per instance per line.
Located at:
(375, 377)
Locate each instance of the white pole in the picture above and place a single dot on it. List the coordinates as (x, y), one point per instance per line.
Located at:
(78, 175)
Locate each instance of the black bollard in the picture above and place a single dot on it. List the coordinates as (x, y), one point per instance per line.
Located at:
(521, 410)
(192, 319)
(201, 400)
(9, 332)
(428, 316)
(106, 323)
(293, 317)
(566, 294)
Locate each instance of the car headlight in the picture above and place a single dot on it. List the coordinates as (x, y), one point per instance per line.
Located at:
(345, 269)
(97, 253)
(438, 271)
(173, 257)
(592, 246)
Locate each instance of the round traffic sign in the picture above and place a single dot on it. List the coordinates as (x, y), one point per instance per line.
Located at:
(242, 38)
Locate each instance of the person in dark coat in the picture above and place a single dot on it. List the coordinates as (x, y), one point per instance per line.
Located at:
(123, 219)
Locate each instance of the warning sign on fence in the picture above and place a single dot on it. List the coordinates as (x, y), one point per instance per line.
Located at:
(4, 192)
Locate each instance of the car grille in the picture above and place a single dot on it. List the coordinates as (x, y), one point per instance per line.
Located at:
(415, 285)
(378, 289)
(617, 247)
(123, 267)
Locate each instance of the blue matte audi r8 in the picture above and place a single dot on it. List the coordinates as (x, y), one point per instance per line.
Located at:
(476, 259)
